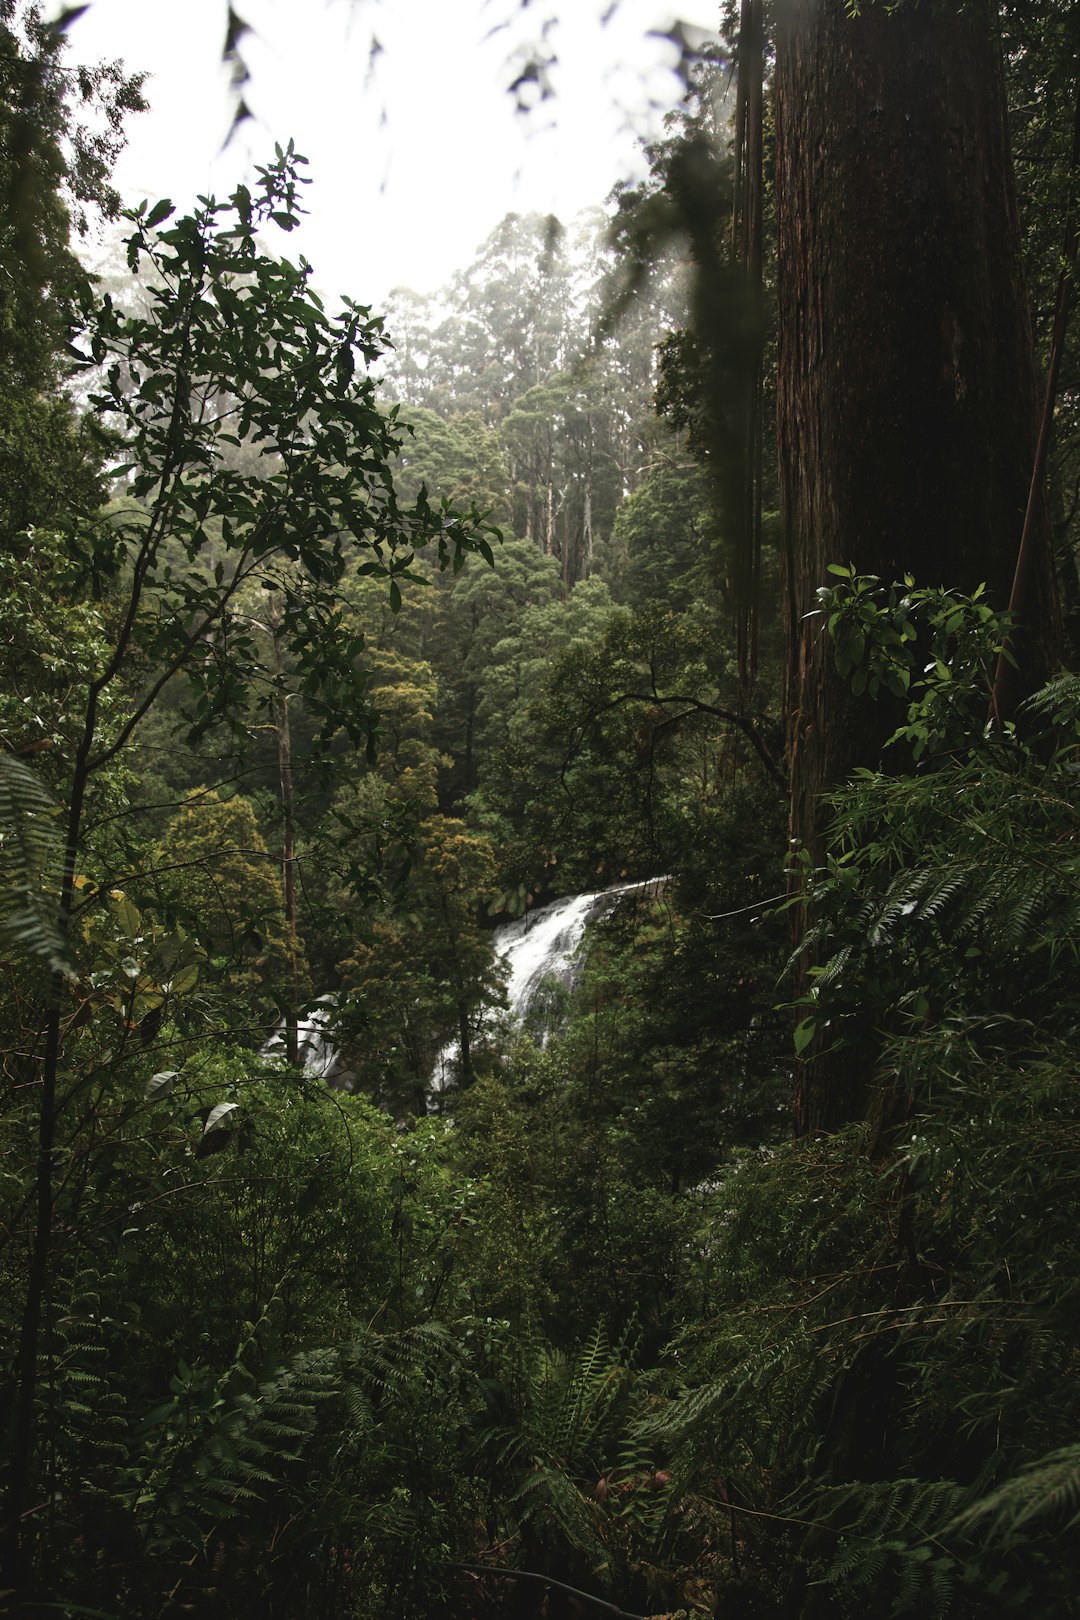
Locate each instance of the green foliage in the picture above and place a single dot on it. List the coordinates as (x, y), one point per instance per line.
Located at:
(883, 1365)
(1048, 1488)
(29, 863)
(628, 742)
(421, 969)
(54, 166)
(217, 1445)
(1040, 47)
(937, 884)
(237, 353)
(458, 456)
(662, 531)
(257, 458)
(935, 649)
(525, 340)
(596, 1319)
(880, 1342)
(215, 873)
(579, 1498)
(265, 1417)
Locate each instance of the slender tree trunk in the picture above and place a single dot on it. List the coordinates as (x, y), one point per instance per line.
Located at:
(586, 533)
(288, 845)
(19, 1427)
(906, 388)
(746, 243)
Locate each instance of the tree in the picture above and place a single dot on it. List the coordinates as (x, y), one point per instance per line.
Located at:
(54, 170)
(236, 353)
(906, 395)
(422, 970)
(458, 456)
(478, 613)
(1042, 43)
(567, 481)
(661, 537)
(215, 866)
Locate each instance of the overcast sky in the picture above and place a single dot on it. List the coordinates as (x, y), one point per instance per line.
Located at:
(414, 158)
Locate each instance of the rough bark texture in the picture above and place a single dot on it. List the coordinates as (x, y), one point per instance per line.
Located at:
(906, 389)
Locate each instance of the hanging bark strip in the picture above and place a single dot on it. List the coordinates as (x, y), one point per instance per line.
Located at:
(1007, 693)
(746, 250)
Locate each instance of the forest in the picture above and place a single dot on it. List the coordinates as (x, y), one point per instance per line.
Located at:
(721, 541)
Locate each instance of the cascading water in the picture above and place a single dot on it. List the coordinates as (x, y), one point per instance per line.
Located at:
(541, 950)
(317, 1053)
(542, 946)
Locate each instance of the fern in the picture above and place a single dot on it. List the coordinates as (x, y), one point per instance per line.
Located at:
(29, 868)
(211, 1451)
(575, 1473)
(1043, 1497)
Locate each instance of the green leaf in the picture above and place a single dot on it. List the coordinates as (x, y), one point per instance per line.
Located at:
(159, 213)
(127, 915)
(804, 1034)
(218, 1117)
(184, 980)
(159, 1085)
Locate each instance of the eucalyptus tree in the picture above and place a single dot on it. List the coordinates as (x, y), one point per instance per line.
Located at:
(906, 384)
(61, 127)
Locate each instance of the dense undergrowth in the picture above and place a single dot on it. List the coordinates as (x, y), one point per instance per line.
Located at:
(287, 714)
(603, 1322)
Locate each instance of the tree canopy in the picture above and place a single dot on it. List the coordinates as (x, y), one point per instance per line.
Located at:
(737, 1276)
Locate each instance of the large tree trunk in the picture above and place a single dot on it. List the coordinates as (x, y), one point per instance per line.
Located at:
(906, 387)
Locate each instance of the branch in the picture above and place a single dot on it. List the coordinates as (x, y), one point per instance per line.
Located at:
(733, 718)
(245, 565)
(547, 1580)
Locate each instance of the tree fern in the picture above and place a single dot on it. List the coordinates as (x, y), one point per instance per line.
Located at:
(575, 1476)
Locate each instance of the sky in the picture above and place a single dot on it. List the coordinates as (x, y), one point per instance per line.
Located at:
(415, 153)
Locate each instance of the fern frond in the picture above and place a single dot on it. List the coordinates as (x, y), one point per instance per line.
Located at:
(1045, 1495)
(30, 857)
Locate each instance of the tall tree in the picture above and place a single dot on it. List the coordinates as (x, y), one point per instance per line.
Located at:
(61, 127)
(906, 384)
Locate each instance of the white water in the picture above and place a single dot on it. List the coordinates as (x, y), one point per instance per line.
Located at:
(316, 1052)
(543, 944)
(541, 949)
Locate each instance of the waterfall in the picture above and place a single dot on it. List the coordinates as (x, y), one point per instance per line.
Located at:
(541, 949)
(542, 946)
(317, 1054)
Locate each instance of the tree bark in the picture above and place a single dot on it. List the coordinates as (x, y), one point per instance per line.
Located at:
(907, 407)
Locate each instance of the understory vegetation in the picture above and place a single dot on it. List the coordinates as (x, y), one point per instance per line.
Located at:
(325, 648)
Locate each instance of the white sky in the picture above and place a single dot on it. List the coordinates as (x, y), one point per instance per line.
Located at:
(413, 165)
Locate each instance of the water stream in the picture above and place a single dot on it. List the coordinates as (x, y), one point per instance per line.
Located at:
(541, 951)
(543, 945)
(316, 1049)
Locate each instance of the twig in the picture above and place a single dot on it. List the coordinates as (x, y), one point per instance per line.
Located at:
(547, 1580)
